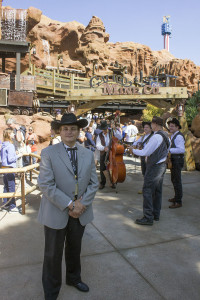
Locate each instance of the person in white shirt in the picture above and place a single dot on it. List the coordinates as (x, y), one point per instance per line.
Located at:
(102, 144)
(131, 133)
(142, 142)
(177, 151)
(156, 151)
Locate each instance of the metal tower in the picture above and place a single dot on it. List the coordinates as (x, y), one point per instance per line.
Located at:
(166, 30)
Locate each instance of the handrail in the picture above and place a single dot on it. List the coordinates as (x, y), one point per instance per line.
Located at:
(22, 171)
(57, 84)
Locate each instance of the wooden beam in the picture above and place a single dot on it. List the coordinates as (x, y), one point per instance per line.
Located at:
(88, 106)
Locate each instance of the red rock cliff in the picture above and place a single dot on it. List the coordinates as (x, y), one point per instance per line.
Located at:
(86, 48)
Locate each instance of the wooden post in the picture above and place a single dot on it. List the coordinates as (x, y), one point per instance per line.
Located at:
(0, 16)
(72, 81)
(33, 69)
(54, 80)
(3, 64)
(23, 192)
(30, 163)
(18, 71)
(189, 157)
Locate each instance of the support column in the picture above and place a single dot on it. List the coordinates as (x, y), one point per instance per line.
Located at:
(3, 64)
(18, 70)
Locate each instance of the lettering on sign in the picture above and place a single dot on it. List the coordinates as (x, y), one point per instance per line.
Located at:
(96, 81)
(115, 89)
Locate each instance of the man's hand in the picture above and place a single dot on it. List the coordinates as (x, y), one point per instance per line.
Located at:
(106, 149)
(130, 148)
(79, 208)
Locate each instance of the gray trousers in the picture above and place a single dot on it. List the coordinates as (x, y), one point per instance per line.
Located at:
(152, 190)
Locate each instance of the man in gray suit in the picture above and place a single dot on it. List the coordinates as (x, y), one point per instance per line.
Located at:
(69, 183)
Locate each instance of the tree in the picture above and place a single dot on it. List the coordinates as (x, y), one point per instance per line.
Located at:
(151, 111)
(191, 108)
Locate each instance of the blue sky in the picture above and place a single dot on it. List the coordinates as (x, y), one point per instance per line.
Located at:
(131, 20)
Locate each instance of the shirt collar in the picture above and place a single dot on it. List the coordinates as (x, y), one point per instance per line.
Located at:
(66, 147)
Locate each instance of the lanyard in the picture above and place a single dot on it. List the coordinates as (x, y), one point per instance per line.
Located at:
(75, 170)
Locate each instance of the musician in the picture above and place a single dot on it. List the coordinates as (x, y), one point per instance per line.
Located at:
(156, 151)
(177, 151)
(68, 182)
(142, 141)
(102, 144)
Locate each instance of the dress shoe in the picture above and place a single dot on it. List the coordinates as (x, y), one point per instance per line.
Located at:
(175, 205)
(172, 200)
(81, 286)
(113, 186)
(144, 221)
(156, 218)
(101, 187)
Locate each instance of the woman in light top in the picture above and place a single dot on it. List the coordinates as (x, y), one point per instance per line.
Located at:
(9, 159)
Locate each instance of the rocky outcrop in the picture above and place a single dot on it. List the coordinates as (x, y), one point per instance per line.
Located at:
(40, 123)
(88, 49)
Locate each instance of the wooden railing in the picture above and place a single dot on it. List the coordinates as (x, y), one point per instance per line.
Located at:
(56, 84)
(31, 169)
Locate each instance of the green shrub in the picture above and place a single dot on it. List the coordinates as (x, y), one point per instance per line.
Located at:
(191, 107)
(151, 111)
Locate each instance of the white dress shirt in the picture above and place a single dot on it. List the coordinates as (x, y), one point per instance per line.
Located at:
(154, 142)
(179, 143)
(99, 146)
(141, 139)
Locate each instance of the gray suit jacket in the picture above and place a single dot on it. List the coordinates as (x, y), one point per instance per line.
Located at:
(57, 183)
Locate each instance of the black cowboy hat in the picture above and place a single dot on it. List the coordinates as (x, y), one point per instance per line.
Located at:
(71, 119)
(103, 126)
(174, 121)
(157, 120)
(146, 123)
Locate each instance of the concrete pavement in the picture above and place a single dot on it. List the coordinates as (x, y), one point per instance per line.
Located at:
(120, 260)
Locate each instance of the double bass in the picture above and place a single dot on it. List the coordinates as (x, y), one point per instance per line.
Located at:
(115, 165)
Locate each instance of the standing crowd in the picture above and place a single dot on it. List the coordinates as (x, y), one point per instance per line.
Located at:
(68, 181)
(17, 141)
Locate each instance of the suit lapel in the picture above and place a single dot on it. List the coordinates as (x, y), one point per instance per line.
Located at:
(64, 157)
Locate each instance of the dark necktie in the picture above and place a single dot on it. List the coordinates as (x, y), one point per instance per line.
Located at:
(73, 158)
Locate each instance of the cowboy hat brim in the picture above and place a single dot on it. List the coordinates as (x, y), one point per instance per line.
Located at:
(80, 123)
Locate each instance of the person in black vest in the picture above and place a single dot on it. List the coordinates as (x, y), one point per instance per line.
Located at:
(177, 151)
(102, 144)
(142, 141)
(156, 151)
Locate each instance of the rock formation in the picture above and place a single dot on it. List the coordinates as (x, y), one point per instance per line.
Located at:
(88, 49)
(40, 123)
